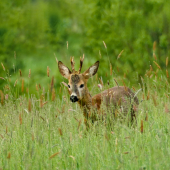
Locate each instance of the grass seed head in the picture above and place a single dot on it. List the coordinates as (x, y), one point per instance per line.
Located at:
(22, 86)
(154, 45)
(29, 105)
(157, 64)
(15, 82)
(167, 75)
(120, 54)
(48, 72)
(104, 44)
(110, 69)
(20, 119)
(52, 156)
(166, 61)
(154, 100)
(9, 155)
(20, 72)
(36, 87)
(60, 131)
(29, 75)
(53, 94)
(2, 97)
(141, 127)
(52, 83)
(3, 66)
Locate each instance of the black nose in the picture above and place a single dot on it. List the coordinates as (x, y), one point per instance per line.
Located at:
(73, 98)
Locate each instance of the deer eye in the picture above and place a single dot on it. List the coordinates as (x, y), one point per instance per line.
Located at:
(82, 85)
(68, 86)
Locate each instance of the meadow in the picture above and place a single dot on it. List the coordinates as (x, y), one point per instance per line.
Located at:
(45, 130)
(39, 127)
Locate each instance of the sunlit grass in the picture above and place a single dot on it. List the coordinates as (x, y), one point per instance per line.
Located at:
(46, 131)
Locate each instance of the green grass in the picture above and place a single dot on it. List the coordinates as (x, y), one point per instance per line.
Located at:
(55, 137)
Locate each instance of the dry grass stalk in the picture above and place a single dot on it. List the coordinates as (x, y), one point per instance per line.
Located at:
(141, 127)
(124, 85)
(104, 44)
(151, 69)
(106, 136)
(100, 54)
(120, 54)
(166, 95)
(116, 82)
(2, 97)
(45, 103)
(67, 45)
(42, 118)
(154, 45)
(124, 75)
(15, 55)
(29, 105)
(166, 109)
(15, 82)
(53, 94)
(41, 101)
(167, 75)
(3, 66)
(126, 152)
(166, 61)
(118, 69)
(9, 155)
(32, 137)
(20, 72)
(48, 72)
(133, 88)
(37, 87)
(60, 131)
(110, 69)
(101, 81)
(148, 96)
(6, 129)
(29, 75)
(2, 78)
(146, 118)
(154, 56)
(79, 124)
(52, 156)
(154, 100)
(22, 86)
(1, 136)
(20, 119)
(52, 83)
(157, 64)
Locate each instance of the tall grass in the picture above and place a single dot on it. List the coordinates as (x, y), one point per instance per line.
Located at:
(45, 131)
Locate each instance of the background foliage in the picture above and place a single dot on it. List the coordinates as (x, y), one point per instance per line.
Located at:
(36, 29)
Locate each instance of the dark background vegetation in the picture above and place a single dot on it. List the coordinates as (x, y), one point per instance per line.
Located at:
(31, 31)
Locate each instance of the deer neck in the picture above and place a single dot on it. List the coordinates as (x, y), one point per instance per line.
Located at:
(86, 103)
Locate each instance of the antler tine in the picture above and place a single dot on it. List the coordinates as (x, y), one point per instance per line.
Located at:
(81, 63)
(72, 63)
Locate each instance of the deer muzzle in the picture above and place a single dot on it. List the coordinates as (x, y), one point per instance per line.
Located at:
(73, 98)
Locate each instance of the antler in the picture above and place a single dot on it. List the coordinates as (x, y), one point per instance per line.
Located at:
(72, 63)
(81, 63)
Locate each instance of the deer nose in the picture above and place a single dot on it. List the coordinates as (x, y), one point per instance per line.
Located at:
(73, 98)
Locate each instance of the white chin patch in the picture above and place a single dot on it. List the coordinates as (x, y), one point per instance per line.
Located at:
(73, 94)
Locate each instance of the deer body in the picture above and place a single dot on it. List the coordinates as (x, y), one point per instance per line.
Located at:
(116, 98)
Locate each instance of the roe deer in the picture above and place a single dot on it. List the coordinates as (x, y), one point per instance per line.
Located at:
(120, 97)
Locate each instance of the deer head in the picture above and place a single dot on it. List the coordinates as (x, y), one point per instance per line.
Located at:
(77, 81)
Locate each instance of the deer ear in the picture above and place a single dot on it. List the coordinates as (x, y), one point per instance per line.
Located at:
(65, 72)
(91, 71)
